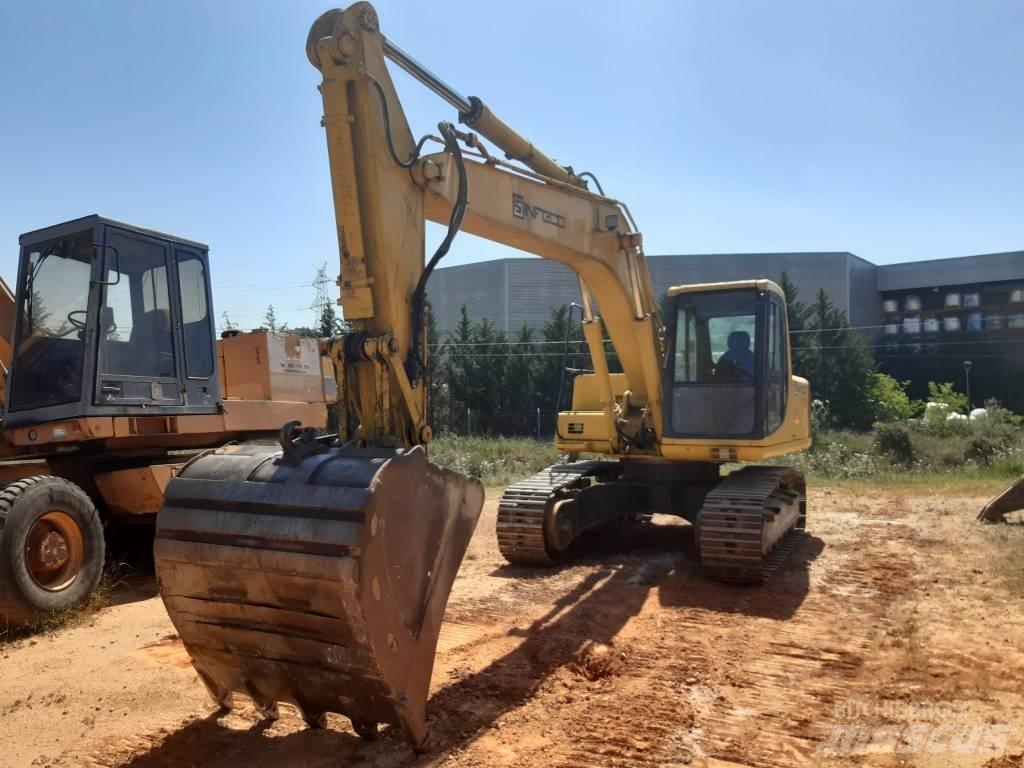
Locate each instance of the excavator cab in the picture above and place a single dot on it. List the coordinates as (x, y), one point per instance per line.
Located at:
(111, 319)
(727, 369)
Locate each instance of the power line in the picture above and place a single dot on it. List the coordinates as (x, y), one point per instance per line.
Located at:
(580, 342)
(918, 344)
(259, 289)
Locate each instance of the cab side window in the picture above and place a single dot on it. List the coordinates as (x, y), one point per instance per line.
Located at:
(195, 316)
(777, 368)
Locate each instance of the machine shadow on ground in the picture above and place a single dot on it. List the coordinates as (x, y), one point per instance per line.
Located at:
(662, 552)
(594, 611)
(622, 574)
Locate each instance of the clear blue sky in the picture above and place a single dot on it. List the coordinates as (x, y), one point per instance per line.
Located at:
(891, 129)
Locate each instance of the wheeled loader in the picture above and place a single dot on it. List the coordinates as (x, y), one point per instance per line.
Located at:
(111, 380)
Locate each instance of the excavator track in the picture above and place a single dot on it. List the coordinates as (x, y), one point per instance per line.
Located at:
(750, 523)
(523, 510)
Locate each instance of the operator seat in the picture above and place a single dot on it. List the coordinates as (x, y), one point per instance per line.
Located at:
(152, 344)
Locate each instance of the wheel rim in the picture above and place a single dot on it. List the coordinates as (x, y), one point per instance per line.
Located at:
(54, 551)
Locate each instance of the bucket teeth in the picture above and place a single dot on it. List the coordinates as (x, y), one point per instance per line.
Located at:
(365, 729)
(223, 698)
(320, 582)
(315, 720)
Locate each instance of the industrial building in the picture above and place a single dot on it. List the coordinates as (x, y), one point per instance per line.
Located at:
(926, 319)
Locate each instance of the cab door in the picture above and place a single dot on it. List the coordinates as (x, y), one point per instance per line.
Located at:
(198, 362)
(138, 360)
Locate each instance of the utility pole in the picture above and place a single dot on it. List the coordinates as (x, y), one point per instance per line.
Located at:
(967, 374)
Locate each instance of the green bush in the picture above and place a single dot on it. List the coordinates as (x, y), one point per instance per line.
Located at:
(938, 422)
(889, 398)
(893, 440)
(944, 393)
(988, 448)
(495, 460)
(982, 450)
(838, 454)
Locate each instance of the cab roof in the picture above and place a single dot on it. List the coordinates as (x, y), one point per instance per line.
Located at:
(91, 221)
(733, 285)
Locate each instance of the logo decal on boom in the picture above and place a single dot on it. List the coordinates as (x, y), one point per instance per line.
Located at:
(522, 210)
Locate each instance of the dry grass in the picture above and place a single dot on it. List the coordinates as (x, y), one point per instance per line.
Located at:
(75, 615)
(497, 461)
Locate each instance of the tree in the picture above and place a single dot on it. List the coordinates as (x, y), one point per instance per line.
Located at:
(520, 368)
(330, 323)
(270, 320)
(837, 361)
(226, 323)
(795, 309)
(797, 314)
(460, 367)
(557, 357)
(438, 376)
(490, 351)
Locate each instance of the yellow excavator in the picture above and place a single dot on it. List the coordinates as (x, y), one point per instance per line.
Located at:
(318, 573)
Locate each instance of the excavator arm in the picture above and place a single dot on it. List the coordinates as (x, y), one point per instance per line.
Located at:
(384, 188)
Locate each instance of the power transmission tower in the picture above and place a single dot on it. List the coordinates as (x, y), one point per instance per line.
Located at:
(323, 299)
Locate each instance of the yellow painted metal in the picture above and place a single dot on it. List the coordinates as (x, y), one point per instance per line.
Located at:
(515, 146)
(586, 232)
(540, 209)
(378, 210)
(609, 410)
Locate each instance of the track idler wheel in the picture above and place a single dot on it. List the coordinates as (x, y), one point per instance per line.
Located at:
(318, 578)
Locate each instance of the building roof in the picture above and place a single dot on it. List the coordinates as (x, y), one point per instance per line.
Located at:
(983, 268)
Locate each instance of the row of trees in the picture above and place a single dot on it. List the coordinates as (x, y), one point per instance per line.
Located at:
(483, 379)
(840, 364)
(837, 360)
(330, 323)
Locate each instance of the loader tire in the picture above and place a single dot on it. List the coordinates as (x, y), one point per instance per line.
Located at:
(51, 548)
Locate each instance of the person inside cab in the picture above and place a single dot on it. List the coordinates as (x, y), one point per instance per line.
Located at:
(739, 354)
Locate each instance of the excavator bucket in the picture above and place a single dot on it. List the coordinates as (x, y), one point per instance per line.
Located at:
(317, 577)
(1010, 500)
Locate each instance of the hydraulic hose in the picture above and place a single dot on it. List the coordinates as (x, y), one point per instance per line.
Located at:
(451, 143)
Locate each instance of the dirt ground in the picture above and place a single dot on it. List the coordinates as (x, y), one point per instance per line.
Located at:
(893, 637)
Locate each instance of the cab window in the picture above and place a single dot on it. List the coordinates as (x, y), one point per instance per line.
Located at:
(777, 374)
(714, 369)
(50, 345)
(195, 316)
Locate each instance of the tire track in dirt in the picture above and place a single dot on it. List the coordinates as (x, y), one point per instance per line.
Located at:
(688, 672)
